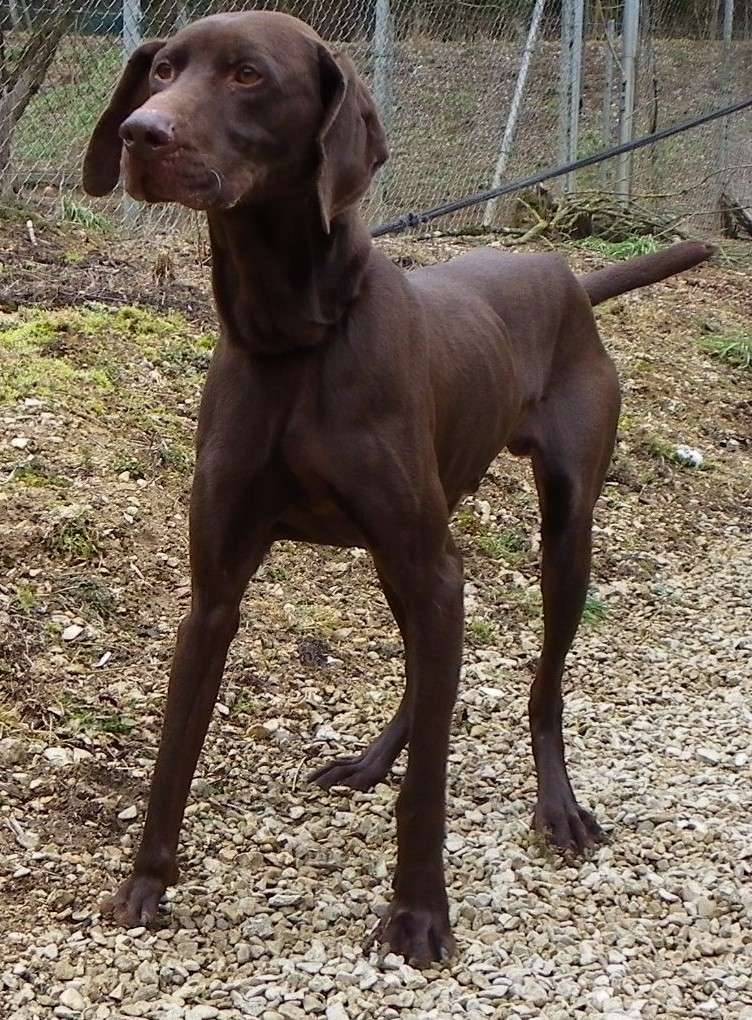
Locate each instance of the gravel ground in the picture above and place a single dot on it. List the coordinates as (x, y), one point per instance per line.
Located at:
(281, 881)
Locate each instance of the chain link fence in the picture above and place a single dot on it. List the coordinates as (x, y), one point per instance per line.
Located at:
(472, 93)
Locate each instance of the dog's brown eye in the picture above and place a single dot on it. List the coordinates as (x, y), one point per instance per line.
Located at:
(163, 71)
(247, 75)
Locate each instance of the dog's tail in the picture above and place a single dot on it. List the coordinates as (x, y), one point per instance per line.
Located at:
(646, 269)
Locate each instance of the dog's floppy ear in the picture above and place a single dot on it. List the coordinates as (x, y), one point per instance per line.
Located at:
(351, 141)
(102, 160)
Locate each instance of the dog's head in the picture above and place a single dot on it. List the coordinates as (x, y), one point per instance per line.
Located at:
(235, 108)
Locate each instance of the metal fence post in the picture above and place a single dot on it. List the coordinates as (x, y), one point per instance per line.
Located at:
(383, 48)
(576, 94)
(726, 78)
(565, 79)
(608, 92)
(570, 81)
(629, 37)
(131, 25)
(728, 24)
(515, 107)
(131, 39)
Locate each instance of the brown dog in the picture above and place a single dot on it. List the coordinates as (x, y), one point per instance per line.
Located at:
(350, 404)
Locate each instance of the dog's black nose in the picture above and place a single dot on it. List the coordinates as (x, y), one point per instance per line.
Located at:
(148, 133)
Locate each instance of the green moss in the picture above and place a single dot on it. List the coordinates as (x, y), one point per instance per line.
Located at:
(41, 327)
(78, 352)
(35, 376)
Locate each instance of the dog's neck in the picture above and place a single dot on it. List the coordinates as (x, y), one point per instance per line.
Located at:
(280, 282)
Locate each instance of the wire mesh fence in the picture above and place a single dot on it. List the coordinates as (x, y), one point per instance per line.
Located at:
(472, 94)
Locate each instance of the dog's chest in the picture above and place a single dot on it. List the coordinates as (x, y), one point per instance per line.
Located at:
(315, 513)
(320, 523)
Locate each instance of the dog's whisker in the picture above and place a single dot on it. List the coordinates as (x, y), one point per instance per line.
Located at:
(218, 178)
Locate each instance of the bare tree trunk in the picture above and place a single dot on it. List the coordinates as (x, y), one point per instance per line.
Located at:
(19, 84)
(629, 35)
(714, 18)
(515, 107)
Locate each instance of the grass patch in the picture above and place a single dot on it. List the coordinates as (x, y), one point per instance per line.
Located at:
(528, 600)
(658, 448)
(595, 610)
(480, 632)
(74, 212)
(734, 348)
(503, 545)
(174, 457)
(62, 115)
(74, 539)
(10, 719)
(466, 522)
(36, 474)
(666, 453)
(84, 718)
(135, 467)
(87, 595)
(629, 248)
(321, 621)
(24, 600)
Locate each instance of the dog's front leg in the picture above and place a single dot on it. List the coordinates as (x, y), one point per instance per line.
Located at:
(228, 541)
(429, 586)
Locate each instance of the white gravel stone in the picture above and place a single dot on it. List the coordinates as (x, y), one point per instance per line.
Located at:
(72, 998)
(336, 1011)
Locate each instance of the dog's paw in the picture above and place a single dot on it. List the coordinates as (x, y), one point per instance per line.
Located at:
(361, 772)
(136, 902)
(421, 936)
(567, 826)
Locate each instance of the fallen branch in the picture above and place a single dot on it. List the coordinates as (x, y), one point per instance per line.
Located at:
(734, 216)
(577, 217)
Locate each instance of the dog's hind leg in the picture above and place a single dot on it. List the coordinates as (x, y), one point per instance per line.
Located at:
(574, 434)
(363, 771)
